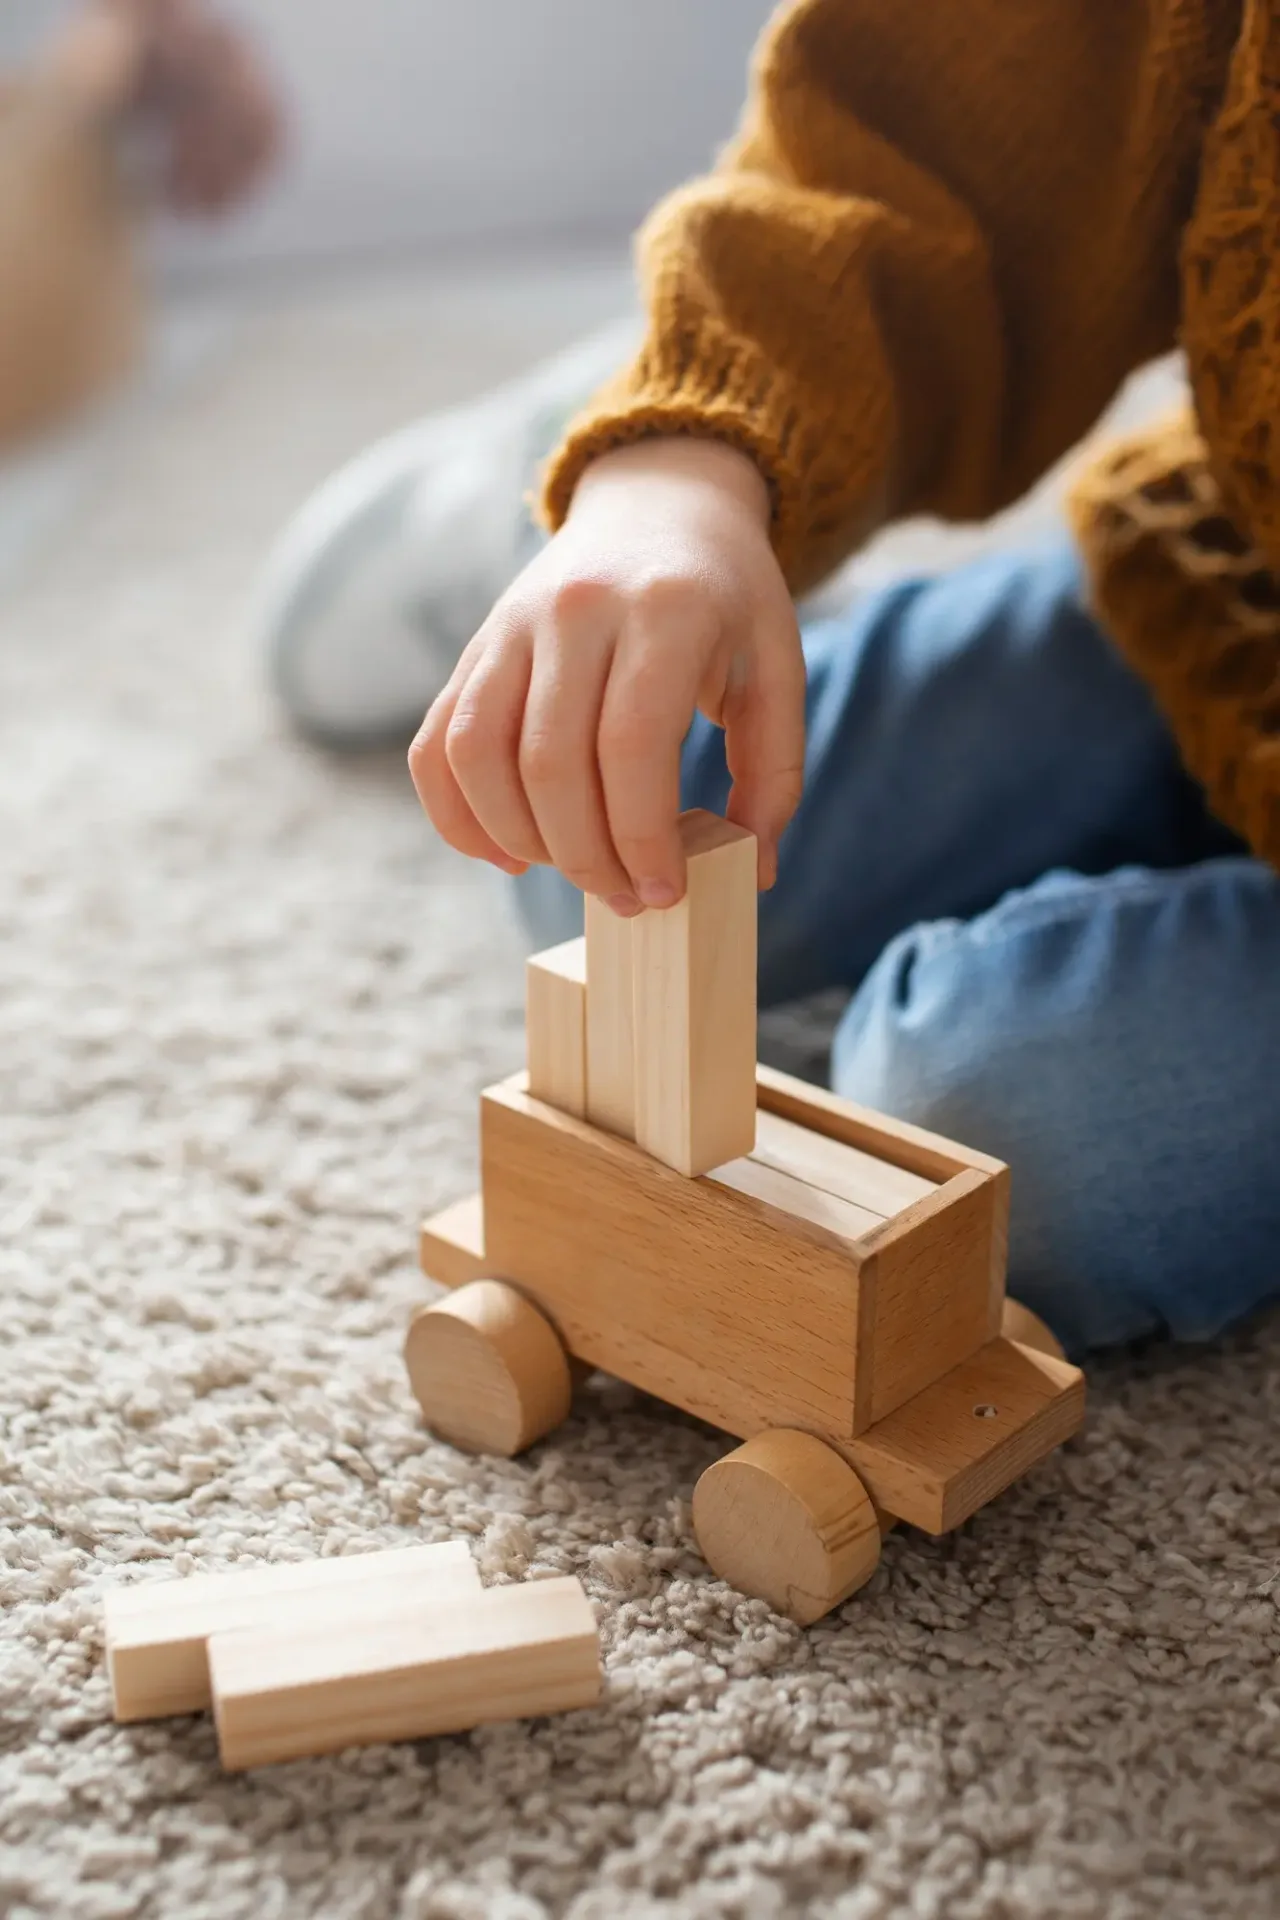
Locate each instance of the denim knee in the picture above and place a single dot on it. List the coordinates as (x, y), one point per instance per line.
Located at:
(1108, 1039)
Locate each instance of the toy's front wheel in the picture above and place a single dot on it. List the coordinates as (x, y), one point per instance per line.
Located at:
(489, 1371)
(785, 1519)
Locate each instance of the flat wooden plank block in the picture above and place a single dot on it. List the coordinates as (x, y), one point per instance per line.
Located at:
(694, 993)
(507, 1652)
(928, 1276)
(710, 1298)
(556, 1026)
(848, 1171)
(894, 1141)
(157, 1631)
(944, 1454)
(817, 1205)
(611, 1098)
(451, 1243)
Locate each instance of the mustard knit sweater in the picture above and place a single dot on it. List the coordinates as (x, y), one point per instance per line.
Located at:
(941, 238)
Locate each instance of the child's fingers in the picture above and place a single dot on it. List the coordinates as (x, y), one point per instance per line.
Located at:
(482, 746)
(764, 743)
(442, 798)
(648, 705)
(558, 757)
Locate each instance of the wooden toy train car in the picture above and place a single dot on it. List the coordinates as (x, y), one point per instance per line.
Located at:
(822, 1282)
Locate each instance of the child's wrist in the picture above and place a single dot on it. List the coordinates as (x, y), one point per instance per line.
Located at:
(681, 459)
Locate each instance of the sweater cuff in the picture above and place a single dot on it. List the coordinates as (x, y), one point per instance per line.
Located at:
(826, 491)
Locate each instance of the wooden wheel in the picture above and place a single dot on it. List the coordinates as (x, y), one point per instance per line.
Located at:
(786, 1520)
(1029, 1330)
(489, 1371)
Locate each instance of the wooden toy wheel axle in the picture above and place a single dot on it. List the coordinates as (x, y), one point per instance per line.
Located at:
(785, 1519)
(489, 1371)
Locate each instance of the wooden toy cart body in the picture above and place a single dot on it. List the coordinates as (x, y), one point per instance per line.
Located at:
(833, 1294)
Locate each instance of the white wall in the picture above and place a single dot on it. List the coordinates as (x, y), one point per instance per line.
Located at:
(428, 123)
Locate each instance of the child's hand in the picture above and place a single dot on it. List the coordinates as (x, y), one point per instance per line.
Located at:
(558, 738)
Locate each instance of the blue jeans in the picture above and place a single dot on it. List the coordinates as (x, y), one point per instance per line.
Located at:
(1055, 953)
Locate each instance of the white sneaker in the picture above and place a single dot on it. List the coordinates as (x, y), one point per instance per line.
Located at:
(384, 574)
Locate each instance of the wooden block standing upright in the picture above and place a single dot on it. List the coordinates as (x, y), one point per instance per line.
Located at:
(610, 1021)
(157, 1631)
(694, 1006)
(556, 1026)
(499, 1654)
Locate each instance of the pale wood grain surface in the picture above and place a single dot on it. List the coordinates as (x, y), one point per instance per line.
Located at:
(786, 1520)
(713, 1300)
(156, 1631)
(694, 998)
(487, 1369)
(500, 1654)
(556, 1025)
(611, 1096)
(927, 1273)
(939, 1458)
(451, 1243)
(835, 1167)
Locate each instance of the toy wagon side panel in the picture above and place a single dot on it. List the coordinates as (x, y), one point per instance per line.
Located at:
(692, 1291)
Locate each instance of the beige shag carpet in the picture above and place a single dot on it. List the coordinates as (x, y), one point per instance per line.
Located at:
(247, 1006)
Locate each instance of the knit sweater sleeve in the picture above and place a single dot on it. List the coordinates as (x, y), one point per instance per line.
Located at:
(941, 238)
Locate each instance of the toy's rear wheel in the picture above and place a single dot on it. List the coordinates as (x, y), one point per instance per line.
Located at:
(785, 1519)
(1029, 1330)
(489, 1371)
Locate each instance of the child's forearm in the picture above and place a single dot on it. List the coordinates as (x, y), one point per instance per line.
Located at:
(940, 241)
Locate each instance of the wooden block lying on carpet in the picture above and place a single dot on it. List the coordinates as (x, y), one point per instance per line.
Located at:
(292, 1690)
(157, 1632)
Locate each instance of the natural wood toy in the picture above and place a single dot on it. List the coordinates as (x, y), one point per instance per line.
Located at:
(821, 1281)
(322, 1654)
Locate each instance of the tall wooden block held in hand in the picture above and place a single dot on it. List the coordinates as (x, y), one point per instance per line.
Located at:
(610, 1021)
(556, 1026)
(694, 1006)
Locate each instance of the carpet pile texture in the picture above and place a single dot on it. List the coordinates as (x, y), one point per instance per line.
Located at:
(245, 1009)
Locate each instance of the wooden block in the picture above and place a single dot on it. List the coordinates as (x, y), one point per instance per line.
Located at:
(556, 1026)
(928, 1275)
(894, 1141)
(694, 994)
(282, 1693)
(795, 1197)
(786, 1520)
(831, 1165)
(747, 1298)
(898, 1144)
(710, 1298)
(944, 1454)
(610, 1021)
(157, 1631)
(451, 1243)
(488, 1369)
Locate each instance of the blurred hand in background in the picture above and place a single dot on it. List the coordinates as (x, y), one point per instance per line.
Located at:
(181, 68)
(187, 84)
